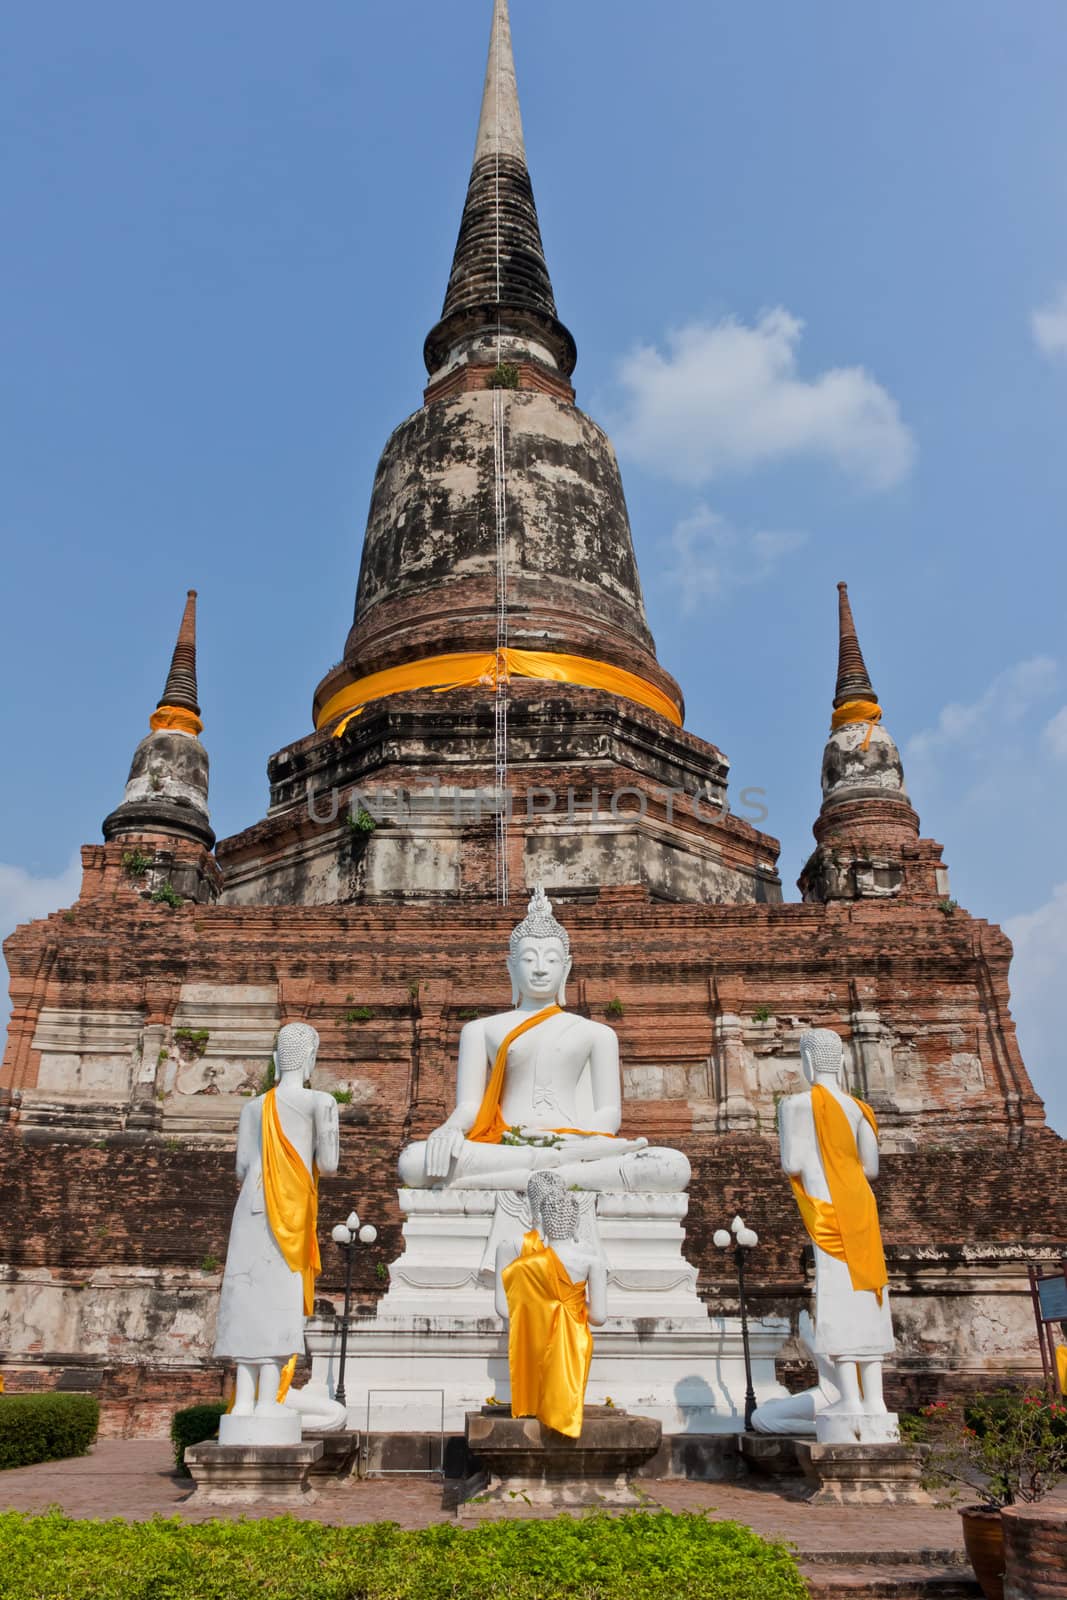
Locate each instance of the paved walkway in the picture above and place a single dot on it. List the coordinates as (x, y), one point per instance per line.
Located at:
(135, 1479)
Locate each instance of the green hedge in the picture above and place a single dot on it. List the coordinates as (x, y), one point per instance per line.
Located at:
(45, 1427)
(193, 1426)
(642, 1556)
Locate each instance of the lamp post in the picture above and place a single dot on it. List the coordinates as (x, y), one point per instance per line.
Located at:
(742, 1238)
(345, 1236)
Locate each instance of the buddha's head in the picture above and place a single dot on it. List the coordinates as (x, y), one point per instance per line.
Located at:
(539, 955)
(298, 1045)
(821, 1055)
(559, 1216)
(541, 1184)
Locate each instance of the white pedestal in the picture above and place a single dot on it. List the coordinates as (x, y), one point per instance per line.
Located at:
(280, 1428)
(843, 1427)
(436, 1334)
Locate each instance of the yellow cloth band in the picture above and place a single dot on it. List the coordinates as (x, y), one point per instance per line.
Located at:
(868, 711)
(469, 669)
(287, 1374)
(291, 1195)
(489, 1124)
(1061, 1366)
(846, 1226)
(176, 717)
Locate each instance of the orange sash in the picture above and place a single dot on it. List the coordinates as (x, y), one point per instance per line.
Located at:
(846, 1227)
(550, 1346)
(489, 1125)
(291, 1194)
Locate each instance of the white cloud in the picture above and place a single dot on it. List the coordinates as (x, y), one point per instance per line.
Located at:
(710, 556)
(24, 897)
(1055, 734)
(727, 397)
(1007, 700)
(1049, 325)
(1040, 940)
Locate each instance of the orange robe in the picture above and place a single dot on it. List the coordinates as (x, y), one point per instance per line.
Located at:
(550, 1346)
(846, 1226)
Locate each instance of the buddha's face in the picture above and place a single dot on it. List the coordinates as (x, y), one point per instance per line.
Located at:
(539, 969)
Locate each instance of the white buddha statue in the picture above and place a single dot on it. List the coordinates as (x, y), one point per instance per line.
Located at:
(829, 1147)
(539, 1087)
(550, 1289)
(285, 1138)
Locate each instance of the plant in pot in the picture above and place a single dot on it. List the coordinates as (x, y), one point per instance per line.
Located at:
(994, 1450)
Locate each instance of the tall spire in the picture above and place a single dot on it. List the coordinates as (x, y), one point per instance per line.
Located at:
(499, 289)
(500, 128)
(180, 690)
(167, 790)
(867, 833)
(853, 679)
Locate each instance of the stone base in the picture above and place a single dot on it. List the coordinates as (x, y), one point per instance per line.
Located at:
(533, 1465)
(275, 1429)
(699, 1457)
(245, 1475)
(340, 1454)
(451, 1238)
(771, 1455)
(689, 1375)
(863, 1474)
(859, 1427)
(436, 1338)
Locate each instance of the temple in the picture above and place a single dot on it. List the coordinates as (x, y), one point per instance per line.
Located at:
(499, 719)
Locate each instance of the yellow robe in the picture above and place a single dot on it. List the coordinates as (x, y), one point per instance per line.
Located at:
(291, 1194)
(846, 1226)
(550, 1346)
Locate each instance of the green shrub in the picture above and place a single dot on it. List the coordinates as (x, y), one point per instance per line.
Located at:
(505, 375)
(195, 1423)
(643, 1556)
(194, 1041)
(46, 1427)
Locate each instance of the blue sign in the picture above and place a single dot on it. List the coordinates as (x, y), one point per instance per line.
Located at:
(1052, 1294)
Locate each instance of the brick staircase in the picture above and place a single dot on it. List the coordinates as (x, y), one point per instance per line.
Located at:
(894, 1574)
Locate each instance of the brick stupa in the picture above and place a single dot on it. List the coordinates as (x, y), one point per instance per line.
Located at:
(499, 718)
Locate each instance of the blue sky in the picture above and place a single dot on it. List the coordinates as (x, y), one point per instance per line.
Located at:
(815, 258)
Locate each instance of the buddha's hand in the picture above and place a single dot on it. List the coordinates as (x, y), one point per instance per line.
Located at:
(442, 1148)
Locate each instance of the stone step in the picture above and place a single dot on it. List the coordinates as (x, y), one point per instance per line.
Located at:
(910, 1580)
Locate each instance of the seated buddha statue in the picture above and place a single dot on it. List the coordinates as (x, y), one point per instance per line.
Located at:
(539, 1087)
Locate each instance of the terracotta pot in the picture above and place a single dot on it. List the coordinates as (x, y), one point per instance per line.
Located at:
(983, 1538)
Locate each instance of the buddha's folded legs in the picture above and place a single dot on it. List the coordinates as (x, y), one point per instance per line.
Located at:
(654, 1169)
(599, 1163)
